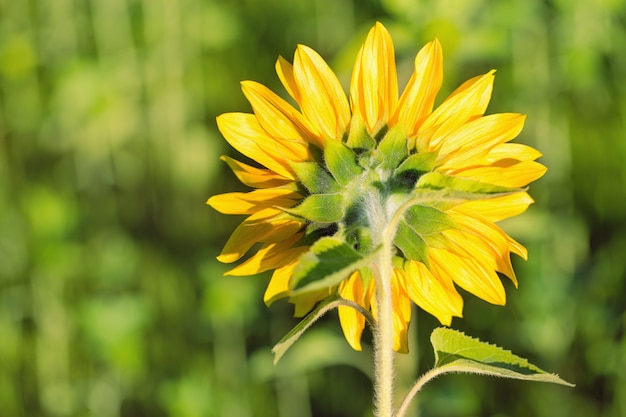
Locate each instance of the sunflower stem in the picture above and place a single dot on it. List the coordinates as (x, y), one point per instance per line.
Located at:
(383, 348)
(384, 333)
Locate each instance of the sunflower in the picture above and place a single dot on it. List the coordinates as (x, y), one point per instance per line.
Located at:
(336, 171)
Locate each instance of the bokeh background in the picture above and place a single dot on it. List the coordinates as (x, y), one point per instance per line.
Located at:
(111, 300)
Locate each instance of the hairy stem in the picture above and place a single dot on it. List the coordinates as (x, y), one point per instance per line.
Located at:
(384, 338)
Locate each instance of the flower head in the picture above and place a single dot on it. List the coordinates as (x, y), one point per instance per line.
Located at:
(335, 173)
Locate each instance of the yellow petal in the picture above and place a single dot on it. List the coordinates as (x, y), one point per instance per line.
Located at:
(284, 69)
(513, 151)
(255, 177)
(506, 173)
(352, 322)
(278, 286)
(517, 248)
(267, 225)
(401, 312)
(468, 274)
(374, 85)
(466, 103)
(322, 100)
(418, 98)
(279, 119)
(474, 139)
(479, 238)
(304, 303)
(270, 256)
(243, 132)
(470, 245)
(431, 294)
(500, 208)
(253, 201)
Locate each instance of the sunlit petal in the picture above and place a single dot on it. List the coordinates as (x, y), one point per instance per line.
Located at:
(322, 99)
(249, 203)
(469, 275)
(418, 98)
(255, 177)
(473, 140)
(279, 119)
(500, 208)
(506, 173)
(466, 103)
(243, 132)
(434, 295)
(374, 86)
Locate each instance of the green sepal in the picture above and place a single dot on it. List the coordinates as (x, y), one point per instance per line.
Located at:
(437, 181)
(458, 353)
(326, 264)
(427, 220)
(324, 208)
(314, 177)
(358, 137)
(417, 228)
(409, 241)
(418, 163)
(393, 149)
(341, 161)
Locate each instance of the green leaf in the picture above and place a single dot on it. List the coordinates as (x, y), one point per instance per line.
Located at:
(314, 177)
(393, 149)
(326, 264)
(458, 353)
(437, 181)
(322, 308)
(325, 208)
(341, 162)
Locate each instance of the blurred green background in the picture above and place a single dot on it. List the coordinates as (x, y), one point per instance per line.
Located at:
(111, 301)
